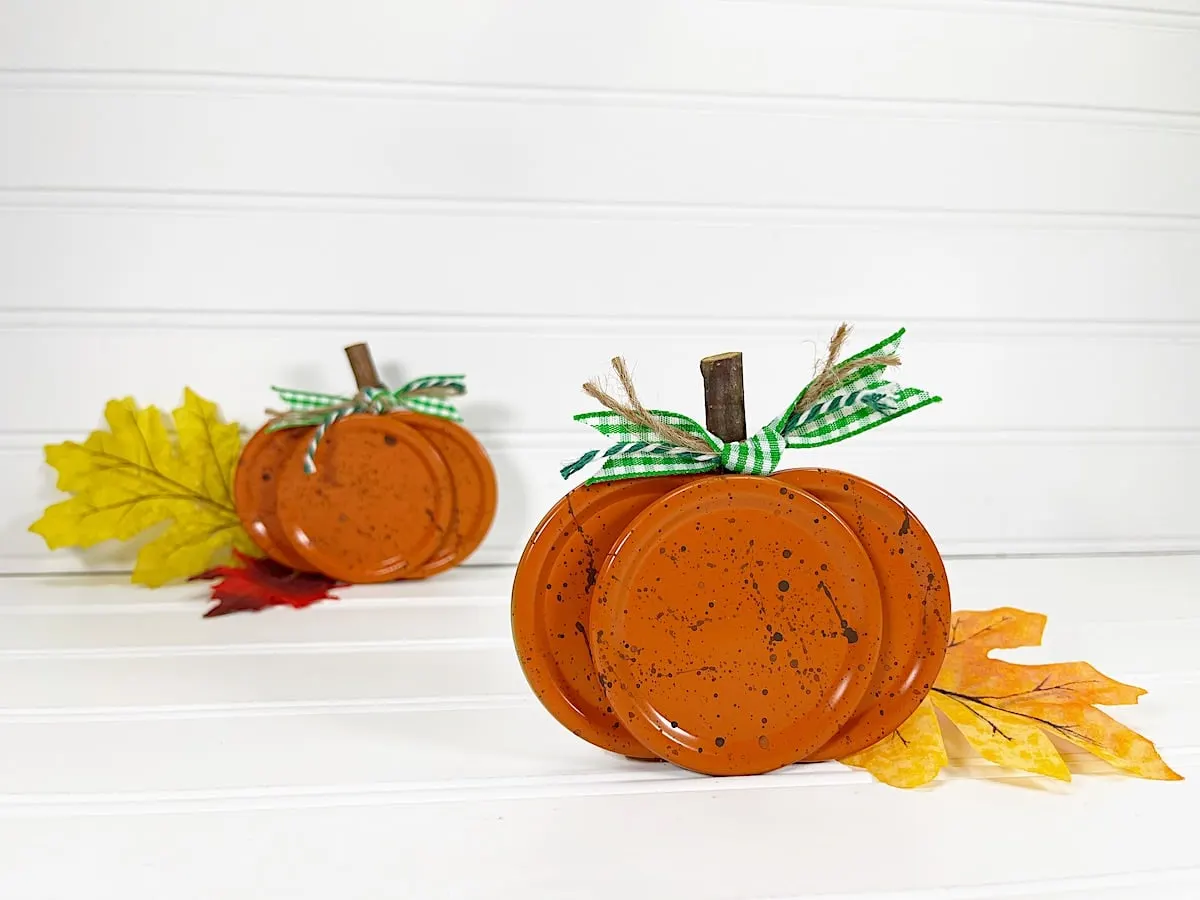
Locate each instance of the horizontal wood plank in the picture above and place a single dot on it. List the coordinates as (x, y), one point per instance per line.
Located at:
(405, 753)
(720, 845)
(960, 50)
(130, 254)
(272, 145)
(995, 376)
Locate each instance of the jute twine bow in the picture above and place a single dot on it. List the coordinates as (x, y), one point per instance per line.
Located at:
(843, 399)
(423, 395)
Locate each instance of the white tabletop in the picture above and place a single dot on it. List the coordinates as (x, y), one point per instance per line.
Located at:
(386, 745)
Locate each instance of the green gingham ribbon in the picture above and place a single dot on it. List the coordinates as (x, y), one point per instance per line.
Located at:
(327, 409)
(863, 401)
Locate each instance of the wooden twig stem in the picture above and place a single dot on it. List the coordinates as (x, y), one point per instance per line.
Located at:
(365, 373)
(724, 396)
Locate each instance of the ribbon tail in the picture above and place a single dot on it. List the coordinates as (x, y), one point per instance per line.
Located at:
(430, 406)
(636, 459)
(300, 400)
(454, 385)
(842, 418)
(865, 377)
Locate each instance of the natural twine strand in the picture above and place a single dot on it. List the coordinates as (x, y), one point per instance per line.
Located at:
(635, 412)
(828, 375)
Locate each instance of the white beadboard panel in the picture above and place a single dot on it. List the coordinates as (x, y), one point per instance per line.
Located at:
(977, 493)
(424, 625)
(432, 770)
(723, 844)
(581, 262)
(319, 677)
(962, 51)
(109, 594)
(398, 676)
(411, 747)
(1078, 9)
(561, 151)
(525, 372)
(400, 752)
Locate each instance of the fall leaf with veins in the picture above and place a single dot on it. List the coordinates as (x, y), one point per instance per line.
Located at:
(1007, 711)
(253, 584)
(137, 475)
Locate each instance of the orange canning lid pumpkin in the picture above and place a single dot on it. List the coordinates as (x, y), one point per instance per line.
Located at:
(378, 504)
(256, 487)
(735, 625)
(550, 599)
(916, 603)
(736, 622)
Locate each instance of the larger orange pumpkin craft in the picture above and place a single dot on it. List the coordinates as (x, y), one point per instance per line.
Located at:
(689, 602)
(376, 487)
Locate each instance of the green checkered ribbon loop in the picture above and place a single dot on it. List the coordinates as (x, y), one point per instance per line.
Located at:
(641, 452)
(854, 400)
(422, 395)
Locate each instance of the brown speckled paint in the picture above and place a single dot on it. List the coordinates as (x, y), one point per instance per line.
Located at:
(378, 503)
(550, 599)
(916, 603)
(735, 625)
(255, 487)
(474, 482)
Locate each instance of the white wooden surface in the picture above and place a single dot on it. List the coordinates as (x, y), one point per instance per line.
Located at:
(386, 745)
(223, 194)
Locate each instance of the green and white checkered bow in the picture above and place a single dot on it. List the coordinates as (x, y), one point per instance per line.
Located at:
(422, 395)
(858, 403)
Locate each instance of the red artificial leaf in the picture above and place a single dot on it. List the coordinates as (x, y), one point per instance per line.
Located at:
(255, 583)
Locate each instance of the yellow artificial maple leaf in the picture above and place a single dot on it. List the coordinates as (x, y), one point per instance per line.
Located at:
(137, 475)
(1007, 711)
(910, 756)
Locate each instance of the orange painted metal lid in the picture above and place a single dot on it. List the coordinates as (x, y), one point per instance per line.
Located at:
(735, 625)
(255, 489)
(550, 601)
(474, 485)
(916, 603)
(379, 502)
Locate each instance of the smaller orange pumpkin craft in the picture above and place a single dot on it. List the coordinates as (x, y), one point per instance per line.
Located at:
(376, 487)
(690, 602)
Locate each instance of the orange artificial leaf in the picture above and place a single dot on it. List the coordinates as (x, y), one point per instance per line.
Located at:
(1007, 712)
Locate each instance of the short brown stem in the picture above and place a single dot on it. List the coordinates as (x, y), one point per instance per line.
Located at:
(365, 373)
(724, 396)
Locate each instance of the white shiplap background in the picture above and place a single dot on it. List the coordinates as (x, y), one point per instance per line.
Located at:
(223, 194)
